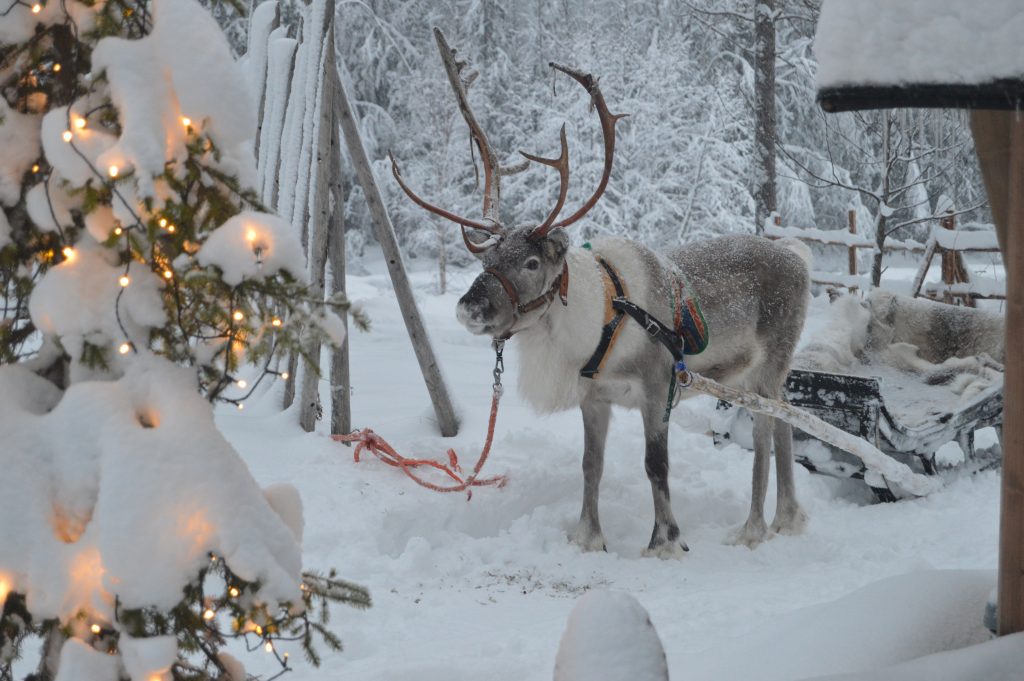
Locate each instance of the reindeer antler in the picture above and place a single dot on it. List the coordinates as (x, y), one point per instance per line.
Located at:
(492, 172)
(608, 121)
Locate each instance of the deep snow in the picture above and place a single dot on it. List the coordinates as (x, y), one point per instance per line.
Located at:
(465, 590)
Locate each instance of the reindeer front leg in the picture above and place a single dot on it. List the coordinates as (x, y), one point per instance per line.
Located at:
(596, 415)
(665, 542)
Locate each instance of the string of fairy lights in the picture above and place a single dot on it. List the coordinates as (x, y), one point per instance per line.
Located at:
(237, 603)
(238, 323)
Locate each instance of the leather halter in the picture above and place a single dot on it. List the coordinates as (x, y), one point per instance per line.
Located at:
(559, 287)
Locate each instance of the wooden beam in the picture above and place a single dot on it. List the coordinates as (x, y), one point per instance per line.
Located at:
(319, 218)
(999, 94)
(341, 377)
(1011, 528)
(385, 233)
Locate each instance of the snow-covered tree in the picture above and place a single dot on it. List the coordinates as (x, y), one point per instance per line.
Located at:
(139, 274)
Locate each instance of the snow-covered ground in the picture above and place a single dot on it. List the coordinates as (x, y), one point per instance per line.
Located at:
(482, 589)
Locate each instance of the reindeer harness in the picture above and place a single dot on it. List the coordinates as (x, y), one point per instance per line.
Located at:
(687, 336)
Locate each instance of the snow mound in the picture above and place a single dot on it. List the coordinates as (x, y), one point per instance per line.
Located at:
(609, 637)
(998, 660)
(123, 489)
(885, 623)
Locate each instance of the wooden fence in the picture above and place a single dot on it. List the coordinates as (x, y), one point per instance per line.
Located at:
(956, 284)
(305, 116)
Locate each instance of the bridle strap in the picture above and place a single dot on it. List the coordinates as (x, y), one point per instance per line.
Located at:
(559, 287)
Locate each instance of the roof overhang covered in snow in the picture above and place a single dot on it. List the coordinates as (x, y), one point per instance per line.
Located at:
(875, 54)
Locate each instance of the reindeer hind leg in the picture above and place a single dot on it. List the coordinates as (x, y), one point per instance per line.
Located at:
(789, 517)
(754, 530)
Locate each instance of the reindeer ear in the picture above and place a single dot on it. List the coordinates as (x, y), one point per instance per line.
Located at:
(555, 244)
(478, 241)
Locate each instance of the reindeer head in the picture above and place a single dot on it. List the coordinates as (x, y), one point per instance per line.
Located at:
(524, 266)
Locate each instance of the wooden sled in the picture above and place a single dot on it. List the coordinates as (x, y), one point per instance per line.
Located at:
(855, 405)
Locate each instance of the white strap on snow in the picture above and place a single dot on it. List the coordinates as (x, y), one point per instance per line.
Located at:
(874, 459)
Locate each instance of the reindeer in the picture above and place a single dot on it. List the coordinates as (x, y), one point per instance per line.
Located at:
(556, 301)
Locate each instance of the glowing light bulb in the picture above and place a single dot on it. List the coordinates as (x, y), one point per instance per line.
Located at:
(163, 222)
(118, 231)
(286, 658)
(35, 168)
(56, 68)
(276, 321)
(284, 375)
(241, 406)
(80, 123)
(124, 280)
(242, 383)
(168, 274)
(186, 121)
(259, 630)
(233, 592)
(238, 316)
(269, 647)
(113, 171)
(67, 136)
(209, 614)
(37, 8)
(170, 228)
(124, 348)
(95, 629)
(250, 235)
(69, 253)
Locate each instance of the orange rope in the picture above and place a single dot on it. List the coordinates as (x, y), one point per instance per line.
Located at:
(369, 440)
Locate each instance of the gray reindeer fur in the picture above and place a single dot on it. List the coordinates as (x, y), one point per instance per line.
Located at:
(753, 293)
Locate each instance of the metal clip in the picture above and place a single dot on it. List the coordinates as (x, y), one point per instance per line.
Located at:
(499, 364)
(651, 327)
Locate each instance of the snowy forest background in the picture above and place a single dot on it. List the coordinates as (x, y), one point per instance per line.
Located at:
(685, 161)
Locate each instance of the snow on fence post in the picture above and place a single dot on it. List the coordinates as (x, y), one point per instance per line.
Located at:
(385, 233)
(319, 211)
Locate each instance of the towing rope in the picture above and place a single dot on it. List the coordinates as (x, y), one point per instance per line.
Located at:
(370, 441)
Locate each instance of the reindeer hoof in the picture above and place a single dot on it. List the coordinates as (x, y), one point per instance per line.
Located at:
(750, 535)
(667, 550)
(790, 522)
(588, 541)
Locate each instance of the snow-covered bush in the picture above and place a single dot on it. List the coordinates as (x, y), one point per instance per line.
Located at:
(139, 271)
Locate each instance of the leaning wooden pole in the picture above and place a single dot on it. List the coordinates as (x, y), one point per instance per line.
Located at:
(385, 233)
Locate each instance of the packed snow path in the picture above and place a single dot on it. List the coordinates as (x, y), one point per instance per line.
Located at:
(483, 589)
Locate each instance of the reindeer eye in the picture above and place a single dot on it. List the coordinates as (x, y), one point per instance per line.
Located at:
(532, 264)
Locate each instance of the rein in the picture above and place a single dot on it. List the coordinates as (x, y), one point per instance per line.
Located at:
(379, 447)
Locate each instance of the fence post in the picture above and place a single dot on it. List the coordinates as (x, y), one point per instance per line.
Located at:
(852, 251)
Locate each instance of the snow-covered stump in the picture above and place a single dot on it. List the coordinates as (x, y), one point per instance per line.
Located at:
(610, 637)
